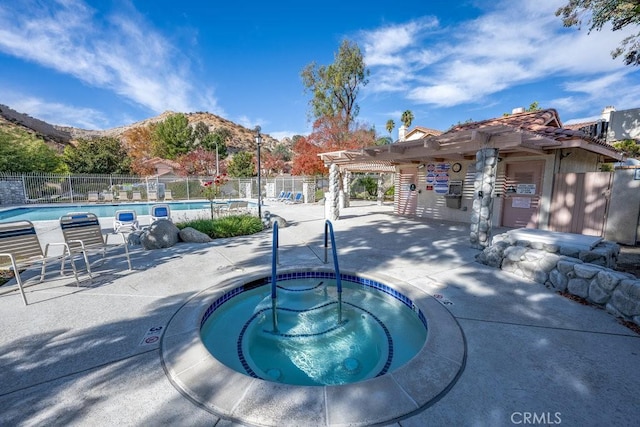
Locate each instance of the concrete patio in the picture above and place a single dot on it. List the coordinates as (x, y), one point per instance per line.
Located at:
(79, 356)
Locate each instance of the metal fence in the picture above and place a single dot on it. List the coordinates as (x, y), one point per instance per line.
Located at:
(20, 189)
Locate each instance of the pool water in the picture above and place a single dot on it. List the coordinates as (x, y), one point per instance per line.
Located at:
(379, 332)
(46, 213)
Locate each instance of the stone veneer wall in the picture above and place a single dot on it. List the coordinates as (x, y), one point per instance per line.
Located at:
(587, 274)
(12, 193)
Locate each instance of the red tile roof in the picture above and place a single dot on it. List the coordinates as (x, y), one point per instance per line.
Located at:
(545, 123)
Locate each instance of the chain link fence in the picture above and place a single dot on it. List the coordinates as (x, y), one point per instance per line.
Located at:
(21, 189)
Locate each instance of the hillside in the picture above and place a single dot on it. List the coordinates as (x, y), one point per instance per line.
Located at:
(242, 138)
(54, 137)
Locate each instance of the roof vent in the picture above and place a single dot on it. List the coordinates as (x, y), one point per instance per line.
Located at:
(517, 110)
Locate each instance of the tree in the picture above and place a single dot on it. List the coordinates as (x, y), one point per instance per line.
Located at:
(200, 132)
(241, 165)
(217, 140)
(384, 140)
(22, 152)
(273, 162)
(306, 160)
(98, 155)
(283, 152)
(139, 143)
(390, 125)
(198, 162)
(620, 13)
(335, 87)
(407, 118)
(174, 137)
(630, 148)
(534, 106)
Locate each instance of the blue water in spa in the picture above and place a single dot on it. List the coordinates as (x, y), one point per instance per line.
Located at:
(378, 333)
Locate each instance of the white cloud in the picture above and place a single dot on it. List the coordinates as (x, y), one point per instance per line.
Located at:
(55, 112)
(511, 44)
(122, 53)
(384, 45)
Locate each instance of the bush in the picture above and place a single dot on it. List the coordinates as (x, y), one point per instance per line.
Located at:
(228, 226)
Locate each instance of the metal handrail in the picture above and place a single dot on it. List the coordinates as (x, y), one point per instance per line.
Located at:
(274, 271)
(328, 232)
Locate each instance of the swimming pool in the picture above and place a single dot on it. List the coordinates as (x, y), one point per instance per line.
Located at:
(46, 213)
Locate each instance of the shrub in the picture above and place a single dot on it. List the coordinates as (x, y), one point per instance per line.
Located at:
(228, 226)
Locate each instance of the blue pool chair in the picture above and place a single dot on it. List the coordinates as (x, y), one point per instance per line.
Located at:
(125, 219)
(160, 211)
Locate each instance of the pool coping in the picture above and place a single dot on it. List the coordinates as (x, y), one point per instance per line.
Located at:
(240, 398)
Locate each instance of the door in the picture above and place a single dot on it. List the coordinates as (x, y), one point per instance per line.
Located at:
(580, 202)
(522, 191)
(407, 197)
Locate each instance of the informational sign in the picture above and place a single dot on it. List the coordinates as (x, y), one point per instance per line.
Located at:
(441, 188)
(152, 336)
(442, 178)
(521, 202)
(526, 189)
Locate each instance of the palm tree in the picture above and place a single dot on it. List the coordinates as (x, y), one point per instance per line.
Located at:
(390, 125)
(407, 118)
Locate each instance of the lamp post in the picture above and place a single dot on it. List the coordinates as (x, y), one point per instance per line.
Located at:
(258, 142)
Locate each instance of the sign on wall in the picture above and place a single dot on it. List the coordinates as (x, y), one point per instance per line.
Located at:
(526, 189)
(521, 202)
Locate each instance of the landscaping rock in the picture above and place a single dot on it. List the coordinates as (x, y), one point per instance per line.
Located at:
(268, 219)
(191, 235)
(161, 234)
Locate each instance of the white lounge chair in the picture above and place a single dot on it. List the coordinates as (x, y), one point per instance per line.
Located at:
(136, 196)
(125, 218)
(160, 211)
(168, 195)
(20, 244)
(93, 196)
(82, 233)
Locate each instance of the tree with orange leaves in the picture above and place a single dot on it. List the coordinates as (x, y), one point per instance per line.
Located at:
(138, 143)
(329, 134)
(198, 162)
(306, 160)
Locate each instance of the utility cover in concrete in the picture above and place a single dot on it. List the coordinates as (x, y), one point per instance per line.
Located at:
(578, 241)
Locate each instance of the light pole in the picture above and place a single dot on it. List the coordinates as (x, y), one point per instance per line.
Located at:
(258, 142)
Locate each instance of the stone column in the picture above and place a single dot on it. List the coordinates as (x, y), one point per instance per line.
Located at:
(345, 190)
(482, 210)
(333, 207)
(309, 191)
(380, 194)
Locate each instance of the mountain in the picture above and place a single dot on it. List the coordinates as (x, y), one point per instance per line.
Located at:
(53, 136)
(243, 139)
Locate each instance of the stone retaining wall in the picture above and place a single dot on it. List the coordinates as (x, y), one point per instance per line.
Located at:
(587, 274)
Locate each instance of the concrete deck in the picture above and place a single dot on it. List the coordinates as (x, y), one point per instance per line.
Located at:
(78, 356)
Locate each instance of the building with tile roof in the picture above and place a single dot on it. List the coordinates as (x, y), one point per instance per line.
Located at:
(519, 170)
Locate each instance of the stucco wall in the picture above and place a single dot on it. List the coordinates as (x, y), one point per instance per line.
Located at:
(623, 219)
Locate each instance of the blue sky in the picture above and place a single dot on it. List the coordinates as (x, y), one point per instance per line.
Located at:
(100, 64)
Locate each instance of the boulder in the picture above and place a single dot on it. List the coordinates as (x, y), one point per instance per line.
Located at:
(268, 219)
(191, 235)
(161, 234)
